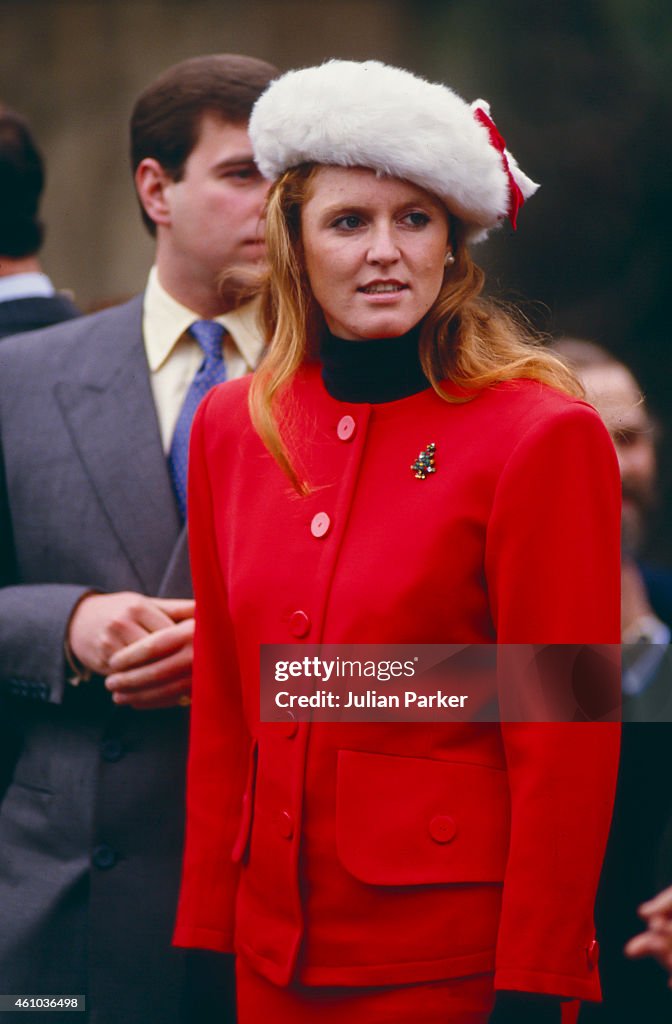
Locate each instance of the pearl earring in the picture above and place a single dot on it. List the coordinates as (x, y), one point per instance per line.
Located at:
(449, 260)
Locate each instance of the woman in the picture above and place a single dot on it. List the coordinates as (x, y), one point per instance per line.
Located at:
(401, 872)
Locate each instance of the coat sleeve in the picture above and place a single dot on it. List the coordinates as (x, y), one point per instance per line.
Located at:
(33, 622)
(220, 744)
(553, 575)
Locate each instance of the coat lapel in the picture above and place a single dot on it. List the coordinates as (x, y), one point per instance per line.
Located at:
(109, 411)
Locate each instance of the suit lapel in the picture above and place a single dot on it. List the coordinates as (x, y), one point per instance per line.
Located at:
(109, 411)
(176, 581)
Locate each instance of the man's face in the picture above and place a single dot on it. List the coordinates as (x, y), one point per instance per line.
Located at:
(214, 212)
(615, 394)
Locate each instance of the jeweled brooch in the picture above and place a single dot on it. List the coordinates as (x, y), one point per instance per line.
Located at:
(425, 464)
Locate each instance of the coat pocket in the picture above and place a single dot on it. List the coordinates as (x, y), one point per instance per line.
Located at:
(417, 821)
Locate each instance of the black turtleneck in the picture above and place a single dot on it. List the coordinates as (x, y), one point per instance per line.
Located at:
(373, 369)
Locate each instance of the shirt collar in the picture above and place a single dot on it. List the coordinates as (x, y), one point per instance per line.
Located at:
(165, 320)
(25, 286)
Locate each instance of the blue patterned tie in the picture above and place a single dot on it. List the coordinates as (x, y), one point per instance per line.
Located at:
(209, 335)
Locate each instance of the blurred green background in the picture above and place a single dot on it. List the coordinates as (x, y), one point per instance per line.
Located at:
(581, 90)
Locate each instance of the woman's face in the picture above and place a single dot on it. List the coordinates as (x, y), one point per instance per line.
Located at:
(374, 250)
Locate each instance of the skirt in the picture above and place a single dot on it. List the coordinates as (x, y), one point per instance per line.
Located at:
(456, 1001)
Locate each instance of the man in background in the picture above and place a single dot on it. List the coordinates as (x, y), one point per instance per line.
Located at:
(28, 299)
(96, 616)
(612, 388)
(643, 808)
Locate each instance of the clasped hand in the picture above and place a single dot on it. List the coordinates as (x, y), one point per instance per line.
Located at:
(143, 645)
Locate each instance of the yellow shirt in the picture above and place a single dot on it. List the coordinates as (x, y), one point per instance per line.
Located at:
(174, 356)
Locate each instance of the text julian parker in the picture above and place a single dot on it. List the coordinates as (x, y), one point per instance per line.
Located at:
(370, 699)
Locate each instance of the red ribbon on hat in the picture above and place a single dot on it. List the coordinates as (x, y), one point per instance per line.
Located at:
(516, 197)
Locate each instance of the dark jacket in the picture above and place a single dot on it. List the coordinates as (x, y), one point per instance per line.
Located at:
(34, 312)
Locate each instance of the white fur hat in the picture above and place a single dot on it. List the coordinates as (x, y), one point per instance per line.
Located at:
(372, 115)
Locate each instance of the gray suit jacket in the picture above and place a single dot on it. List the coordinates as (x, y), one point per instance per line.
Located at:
(91, 823)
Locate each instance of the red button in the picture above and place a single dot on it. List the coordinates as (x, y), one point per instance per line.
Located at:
(285, 825)
(593, 954)
(346, 428)
(299, 624)
(320, 524)
(289, 728)
(442, 828)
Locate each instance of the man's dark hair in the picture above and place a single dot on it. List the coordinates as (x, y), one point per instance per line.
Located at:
(166, 119)
(21, 184)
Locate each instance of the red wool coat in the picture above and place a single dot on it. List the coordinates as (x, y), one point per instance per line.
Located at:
(311, 849)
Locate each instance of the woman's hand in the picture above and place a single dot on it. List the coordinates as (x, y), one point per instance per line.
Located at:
(656, 941)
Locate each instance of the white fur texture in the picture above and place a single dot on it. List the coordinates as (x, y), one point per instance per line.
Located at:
(372, 115)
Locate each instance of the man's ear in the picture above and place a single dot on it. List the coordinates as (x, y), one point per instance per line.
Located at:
(151, 183)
